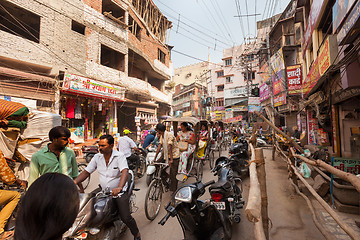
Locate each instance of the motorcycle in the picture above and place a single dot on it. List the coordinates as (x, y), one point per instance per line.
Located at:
(89, 152)
(151, 169)
(198, 219)
(139, 167)
(239, 157)
(98, 216)
(225, 193)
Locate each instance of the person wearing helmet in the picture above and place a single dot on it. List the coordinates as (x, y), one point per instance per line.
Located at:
(149, 138)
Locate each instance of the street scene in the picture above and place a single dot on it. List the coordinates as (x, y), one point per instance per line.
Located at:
(153, 119)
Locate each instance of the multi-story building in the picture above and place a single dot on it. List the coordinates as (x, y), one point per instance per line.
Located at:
(98, 63)
(189, 74)
(187, 100)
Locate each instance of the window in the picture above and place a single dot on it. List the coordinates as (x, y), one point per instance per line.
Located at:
(13, 16)
(249, 76)
(77, 27)
(113, 11)
(112, 58)
(220, 88)
(229, 79)
(134, 28)
(250, 57)
(161, 56)
(228, 62)
(220, 73)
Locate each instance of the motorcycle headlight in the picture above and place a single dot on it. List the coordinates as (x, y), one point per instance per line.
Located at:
(183, 195)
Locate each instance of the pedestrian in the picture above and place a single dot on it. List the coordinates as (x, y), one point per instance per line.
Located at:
(55, 157)
(171, 152)
(48, 209)
(113, 174)
(125, 145)
(149, 139)
(8, 199)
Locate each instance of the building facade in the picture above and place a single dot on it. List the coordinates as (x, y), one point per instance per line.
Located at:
(98, 63)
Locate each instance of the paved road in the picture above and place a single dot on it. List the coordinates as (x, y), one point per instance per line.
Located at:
(288, 212)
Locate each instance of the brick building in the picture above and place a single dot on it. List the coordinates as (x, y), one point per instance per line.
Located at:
(98, 63)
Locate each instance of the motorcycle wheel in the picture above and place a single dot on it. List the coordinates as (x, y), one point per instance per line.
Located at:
(149, 178)
(142, 168)
(211, 159)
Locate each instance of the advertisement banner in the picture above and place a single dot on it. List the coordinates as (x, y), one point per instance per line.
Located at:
(280, 75)
(82, 85)
(234, 119)
(278, 87)
(347, 165)
(325, 58)
(235, 92)
(187, 114)
(254, 101)
(264, 72)
(219, 108)
(277, 62)
(264, 92)
(239, 108)
(340, 9)
(280, 100)
(316, 7)
(294, 78)
(229, 113)
(253, 108)
(351, 20)
(311, 78)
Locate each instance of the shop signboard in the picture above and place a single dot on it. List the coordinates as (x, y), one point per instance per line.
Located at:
(327, 54)
(348, 27)
(254, 108)
(280, 100)
(239, 108)
(219, 115)
(277, 62)
(187, 114)
(278, 76)
(346, 164)
(219, 108)
(212, 116)
(228, 113)
(278, 87)
(316, 7)
(235, 92)
(264, 72)
(254, 101)
(137, 119)
(311, 78)
(340, 9)
(264, 92)
(187, 104)
(294, 78)
(82, 85)
(234, 119)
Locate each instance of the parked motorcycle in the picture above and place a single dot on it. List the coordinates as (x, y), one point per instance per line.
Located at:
(225, 193)
(89, 151)
(98, 216)
(139, 167)
(239, 156)
(198, 219)
(151, 169)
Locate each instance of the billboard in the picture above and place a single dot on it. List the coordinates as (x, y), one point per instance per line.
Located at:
(235, 92)
(264, 92)
(280, 100)
(340, 9)
(294, 78)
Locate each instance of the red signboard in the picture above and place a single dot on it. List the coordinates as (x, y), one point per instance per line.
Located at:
(311, 78)
(294, 77)
(278, 87)
(280, 100)
(234, 119)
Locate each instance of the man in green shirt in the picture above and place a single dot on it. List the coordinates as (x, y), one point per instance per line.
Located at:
(55, 157)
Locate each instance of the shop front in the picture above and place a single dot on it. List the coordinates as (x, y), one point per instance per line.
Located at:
(88, 107)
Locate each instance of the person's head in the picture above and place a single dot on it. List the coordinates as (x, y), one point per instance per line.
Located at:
(160, 128)
(59, 136)
(203, 126)
(106, 144)
(44, 215)
(216, 124)
(126, 132)
(153, 132)
(185, 127)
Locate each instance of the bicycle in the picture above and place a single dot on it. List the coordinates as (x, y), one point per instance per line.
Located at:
(81, 167)
(154, 193)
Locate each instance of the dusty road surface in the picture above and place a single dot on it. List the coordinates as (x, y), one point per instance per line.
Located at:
(289, 214)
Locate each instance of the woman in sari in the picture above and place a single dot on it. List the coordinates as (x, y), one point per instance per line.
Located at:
(204, 136)
(185, 137)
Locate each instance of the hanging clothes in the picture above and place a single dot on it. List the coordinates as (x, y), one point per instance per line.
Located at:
(70, 108)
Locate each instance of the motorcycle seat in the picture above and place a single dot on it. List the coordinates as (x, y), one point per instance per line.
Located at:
(221, 185)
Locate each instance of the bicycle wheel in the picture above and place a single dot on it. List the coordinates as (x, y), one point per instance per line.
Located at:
(200, 170)
(81, 167)
(211, 159)
(142, 168)
(153, 199)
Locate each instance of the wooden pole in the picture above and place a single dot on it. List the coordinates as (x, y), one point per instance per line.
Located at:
(259, 156)
(259, 231)
(253, 207)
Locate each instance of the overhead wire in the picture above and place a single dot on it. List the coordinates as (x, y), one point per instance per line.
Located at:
(222, 18)
(239, 17)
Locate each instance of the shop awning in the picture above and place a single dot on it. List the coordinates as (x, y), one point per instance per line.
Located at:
(236, 103)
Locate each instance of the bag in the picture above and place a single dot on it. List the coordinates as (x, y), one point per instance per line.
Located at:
(305, 170)
(202, 144)
(183, 146)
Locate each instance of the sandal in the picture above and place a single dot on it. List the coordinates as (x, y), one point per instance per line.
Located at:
(6, 235)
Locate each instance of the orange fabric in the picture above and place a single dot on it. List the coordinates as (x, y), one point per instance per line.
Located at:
(7, 108)
(6, 174)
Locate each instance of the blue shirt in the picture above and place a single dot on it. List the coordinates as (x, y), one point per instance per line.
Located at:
(148, 139)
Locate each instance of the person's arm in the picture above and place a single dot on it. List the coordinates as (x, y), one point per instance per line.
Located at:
(83, 175)
(34, 170)
(157, 152)
(75, 173)
(171, 154)
(90, 168)
(123, 179)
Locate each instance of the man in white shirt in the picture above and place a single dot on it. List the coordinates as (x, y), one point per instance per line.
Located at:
(125, 145)
(113, 173)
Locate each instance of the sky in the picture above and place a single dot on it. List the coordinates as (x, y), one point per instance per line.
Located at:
(203, 28)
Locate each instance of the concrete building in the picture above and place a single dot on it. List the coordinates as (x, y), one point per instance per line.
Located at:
(98, 63)
(189, 74)
(187, 100)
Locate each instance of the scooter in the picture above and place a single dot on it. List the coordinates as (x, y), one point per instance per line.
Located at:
(98, 216)
(225, 193)
(151, 169)
(198, 219)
